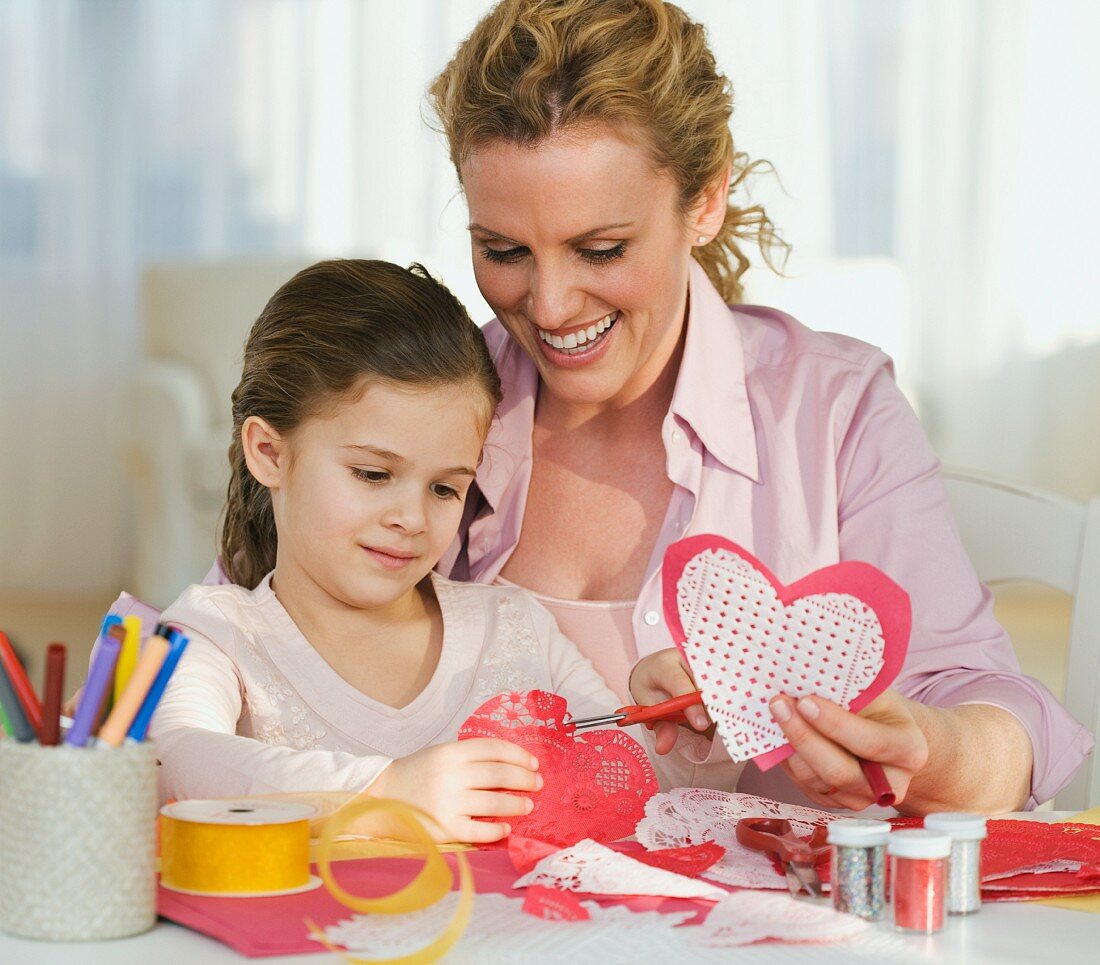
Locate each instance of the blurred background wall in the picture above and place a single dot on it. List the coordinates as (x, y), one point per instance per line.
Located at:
(164, 164)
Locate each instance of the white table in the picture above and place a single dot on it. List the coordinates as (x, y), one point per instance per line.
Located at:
(999, 934)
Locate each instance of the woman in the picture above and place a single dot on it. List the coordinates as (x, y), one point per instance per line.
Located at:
(592, 143)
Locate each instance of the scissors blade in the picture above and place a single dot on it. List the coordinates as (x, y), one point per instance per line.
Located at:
(803, 878)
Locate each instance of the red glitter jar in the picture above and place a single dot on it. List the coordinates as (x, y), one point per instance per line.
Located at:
(918, 865)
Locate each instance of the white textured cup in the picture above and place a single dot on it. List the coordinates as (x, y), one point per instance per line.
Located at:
(77, 840)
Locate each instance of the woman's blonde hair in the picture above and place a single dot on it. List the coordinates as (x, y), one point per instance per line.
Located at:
(534, 67)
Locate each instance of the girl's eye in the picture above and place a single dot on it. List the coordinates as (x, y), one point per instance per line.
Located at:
(505, 257)
(370, 475)
(445, 492)
(601, 256)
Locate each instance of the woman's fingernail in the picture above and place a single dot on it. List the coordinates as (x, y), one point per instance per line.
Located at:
(808, 708)
(699, 720)
(781, 710)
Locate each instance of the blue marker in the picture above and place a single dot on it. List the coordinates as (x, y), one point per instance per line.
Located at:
(177, 643)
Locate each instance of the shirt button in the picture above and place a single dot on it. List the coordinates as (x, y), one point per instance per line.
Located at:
(677, 435)
(651, 618)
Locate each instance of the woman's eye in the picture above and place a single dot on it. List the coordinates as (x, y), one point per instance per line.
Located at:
(600, 256)
(503, 256)
(445, 492)
(370, 475)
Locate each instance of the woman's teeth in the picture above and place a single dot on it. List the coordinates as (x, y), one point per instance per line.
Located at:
(580, 340)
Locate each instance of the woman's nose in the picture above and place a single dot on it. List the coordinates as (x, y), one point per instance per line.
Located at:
(553, 300)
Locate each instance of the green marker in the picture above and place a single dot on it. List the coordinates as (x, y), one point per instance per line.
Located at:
(4, 722)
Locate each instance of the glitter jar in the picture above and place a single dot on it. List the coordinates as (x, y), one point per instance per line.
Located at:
(918, 869)
(858, 866)
(964, 877)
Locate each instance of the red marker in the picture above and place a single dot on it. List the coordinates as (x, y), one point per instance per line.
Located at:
(49, 734)
(23, 689)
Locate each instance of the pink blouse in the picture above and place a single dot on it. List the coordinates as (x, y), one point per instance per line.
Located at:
(799, 446)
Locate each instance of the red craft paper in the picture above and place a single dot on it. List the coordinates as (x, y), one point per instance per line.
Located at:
(553, 904)
(742, 677)
(259, 927)
(528, 852)
(595, 784)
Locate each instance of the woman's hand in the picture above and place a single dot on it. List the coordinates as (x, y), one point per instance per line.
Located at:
(463, 780)
(661, 676)
(828, 739)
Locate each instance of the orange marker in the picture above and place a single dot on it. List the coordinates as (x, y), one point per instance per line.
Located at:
(122, 716)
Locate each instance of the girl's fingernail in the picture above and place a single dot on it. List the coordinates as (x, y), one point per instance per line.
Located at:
(538, 782)
(530, 805)
(507, 830)
(534, 763)
(781, 710)
(808, 708)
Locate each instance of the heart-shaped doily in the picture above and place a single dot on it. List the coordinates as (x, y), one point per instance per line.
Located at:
(595, 784)
(840, 633)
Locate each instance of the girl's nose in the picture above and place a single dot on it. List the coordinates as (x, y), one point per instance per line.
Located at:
(407, 515)
(553, 300)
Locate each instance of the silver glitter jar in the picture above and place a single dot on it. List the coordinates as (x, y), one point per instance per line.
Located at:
(858, 867)
(967, 831)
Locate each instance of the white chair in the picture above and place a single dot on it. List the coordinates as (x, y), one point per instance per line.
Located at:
(1013, 533)
(173, 429)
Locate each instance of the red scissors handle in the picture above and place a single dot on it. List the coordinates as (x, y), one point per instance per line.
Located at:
(778, 837)
(666, 710)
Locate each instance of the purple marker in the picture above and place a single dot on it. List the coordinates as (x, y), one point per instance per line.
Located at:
(100, 677)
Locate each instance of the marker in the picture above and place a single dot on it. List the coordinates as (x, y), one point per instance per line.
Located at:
(49, 734)
(13, 708)
(178, 643)
(28, 699)
(152, 658)
(97, 685)
(128, 657)
(5, 726)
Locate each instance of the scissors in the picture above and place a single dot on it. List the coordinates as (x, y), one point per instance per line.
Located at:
(638, 714)
(799, 855)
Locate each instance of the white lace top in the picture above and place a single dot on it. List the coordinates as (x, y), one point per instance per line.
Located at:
(254, 709)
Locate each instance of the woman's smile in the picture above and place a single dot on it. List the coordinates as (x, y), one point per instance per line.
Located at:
(578, 345)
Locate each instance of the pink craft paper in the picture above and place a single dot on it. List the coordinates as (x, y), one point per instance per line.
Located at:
(868, 585)
(596, 783)
(261, 927)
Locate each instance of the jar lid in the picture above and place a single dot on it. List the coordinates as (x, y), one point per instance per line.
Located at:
(918, 843)
(961, 826)
(853, 832)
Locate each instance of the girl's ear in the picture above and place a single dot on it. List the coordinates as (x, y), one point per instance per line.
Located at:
(709, 212)
(264, 452)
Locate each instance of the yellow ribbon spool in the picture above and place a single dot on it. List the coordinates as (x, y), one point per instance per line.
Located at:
(235, 849)
(431, 883)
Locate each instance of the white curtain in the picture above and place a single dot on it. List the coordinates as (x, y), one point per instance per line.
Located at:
(954, 135)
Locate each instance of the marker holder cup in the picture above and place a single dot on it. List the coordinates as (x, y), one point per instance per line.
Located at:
(77, 840)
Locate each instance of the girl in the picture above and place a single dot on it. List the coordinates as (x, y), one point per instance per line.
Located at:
(337, 660)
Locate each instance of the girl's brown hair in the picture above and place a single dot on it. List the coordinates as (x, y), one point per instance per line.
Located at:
(327, 331)
(533, 67)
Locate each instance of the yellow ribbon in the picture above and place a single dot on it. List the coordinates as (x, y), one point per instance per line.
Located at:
(432, 882)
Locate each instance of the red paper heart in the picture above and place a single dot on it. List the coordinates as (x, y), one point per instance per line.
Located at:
(553, 904)
(595, 784)
(691, 860)
(840, 632)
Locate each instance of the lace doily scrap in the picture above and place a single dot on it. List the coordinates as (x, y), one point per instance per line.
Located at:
(694, 815)
(840, 632)
(745, 917)
(595, 783)
(592, 868)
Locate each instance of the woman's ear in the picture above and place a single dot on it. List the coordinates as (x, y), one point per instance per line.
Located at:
(264, 452)
(709, 212)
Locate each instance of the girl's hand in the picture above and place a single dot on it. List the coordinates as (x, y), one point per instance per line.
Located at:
(661, 676)
(463, 780)
(827, 740)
